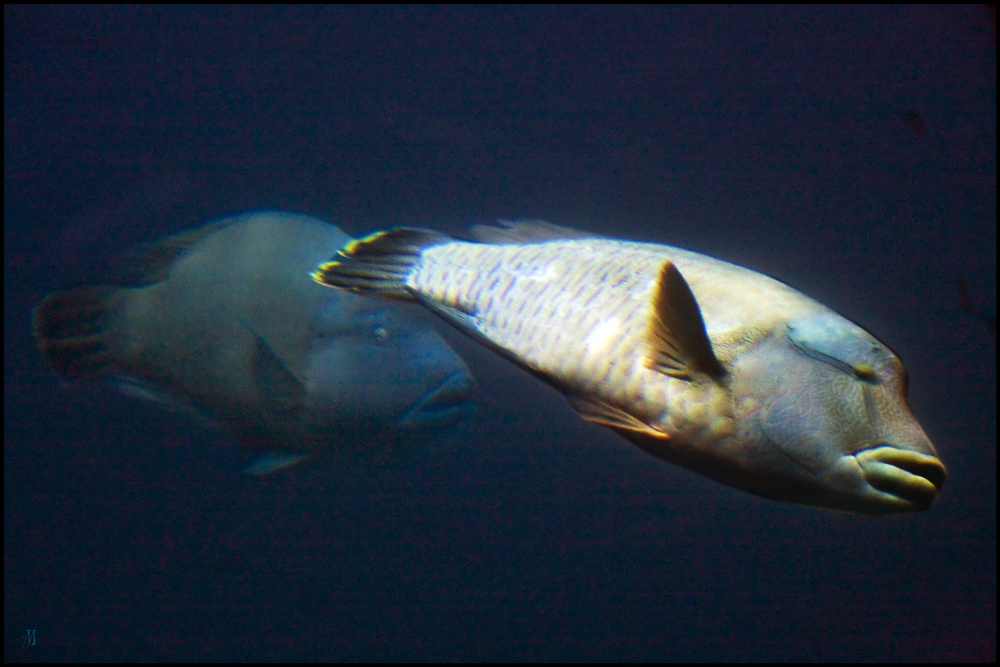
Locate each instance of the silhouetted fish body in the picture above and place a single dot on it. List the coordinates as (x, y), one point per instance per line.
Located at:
(225, 319)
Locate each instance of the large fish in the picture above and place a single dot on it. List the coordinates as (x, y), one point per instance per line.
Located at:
(225, 319)
(703, 363)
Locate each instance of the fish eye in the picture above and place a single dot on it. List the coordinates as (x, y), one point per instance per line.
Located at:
(828, 341)
(861, 371)
(865, 373)
(380, 333)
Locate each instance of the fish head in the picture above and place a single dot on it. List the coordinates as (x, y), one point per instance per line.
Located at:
(823, 419)
(381, 377)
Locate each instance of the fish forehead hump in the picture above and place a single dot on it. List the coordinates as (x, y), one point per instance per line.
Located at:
(242, 280)
(355, 357)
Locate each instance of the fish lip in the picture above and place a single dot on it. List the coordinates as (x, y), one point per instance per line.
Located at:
(448, 403)
(904, 477)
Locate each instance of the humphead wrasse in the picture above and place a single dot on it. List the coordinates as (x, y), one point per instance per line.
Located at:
(700, 362)
(224, 319)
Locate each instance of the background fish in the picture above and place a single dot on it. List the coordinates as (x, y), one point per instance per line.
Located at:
(225, 319)
(703, 363)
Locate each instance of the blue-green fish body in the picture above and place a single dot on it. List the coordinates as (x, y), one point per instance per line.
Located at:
(703, 363)
(225, 319)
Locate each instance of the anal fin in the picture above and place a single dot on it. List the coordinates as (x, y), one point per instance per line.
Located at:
(598, 412)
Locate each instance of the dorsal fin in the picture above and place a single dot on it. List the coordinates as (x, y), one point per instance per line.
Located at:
(526, 231)
(678, 343)
(151, 262)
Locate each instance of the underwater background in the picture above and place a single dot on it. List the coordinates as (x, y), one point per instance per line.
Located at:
(848, 151)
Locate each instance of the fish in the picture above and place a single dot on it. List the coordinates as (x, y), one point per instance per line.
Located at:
(223, 321)
(708, 365)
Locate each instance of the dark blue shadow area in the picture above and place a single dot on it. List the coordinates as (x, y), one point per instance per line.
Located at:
(781, 139)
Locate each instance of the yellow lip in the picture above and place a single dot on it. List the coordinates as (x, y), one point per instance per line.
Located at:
(913, 478)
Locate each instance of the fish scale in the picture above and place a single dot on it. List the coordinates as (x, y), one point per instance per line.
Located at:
(537, 300)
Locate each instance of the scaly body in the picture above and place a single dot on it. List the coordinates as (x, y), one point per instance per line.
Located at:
(704, 363)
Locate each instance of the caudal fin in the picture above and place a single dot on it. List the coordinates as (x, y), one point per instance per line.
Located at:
(379, 264)
(70, 330)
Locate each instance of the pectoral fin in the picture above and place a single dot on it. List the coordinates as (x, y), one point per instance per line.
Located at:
(677, 341)
(276, 383)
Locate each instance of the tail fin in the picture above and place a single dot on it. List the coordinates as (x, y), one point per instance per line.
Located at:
(70, 331)
(379, 264)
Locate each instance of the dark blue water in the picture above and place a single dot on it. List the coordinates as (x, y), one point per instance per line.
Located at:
(850, 152)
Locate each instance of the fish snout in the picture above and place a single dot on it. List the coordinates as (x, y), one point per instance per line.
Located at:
(448, 403)
(907, 479)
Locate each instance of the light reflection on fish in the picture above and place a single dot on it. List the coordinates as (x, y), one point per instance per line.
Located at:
(703, 363)
(225, 319)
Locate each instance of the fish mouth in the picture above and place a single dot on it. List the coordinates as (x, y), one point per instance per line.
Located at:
(907, 479)
(448, 403)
